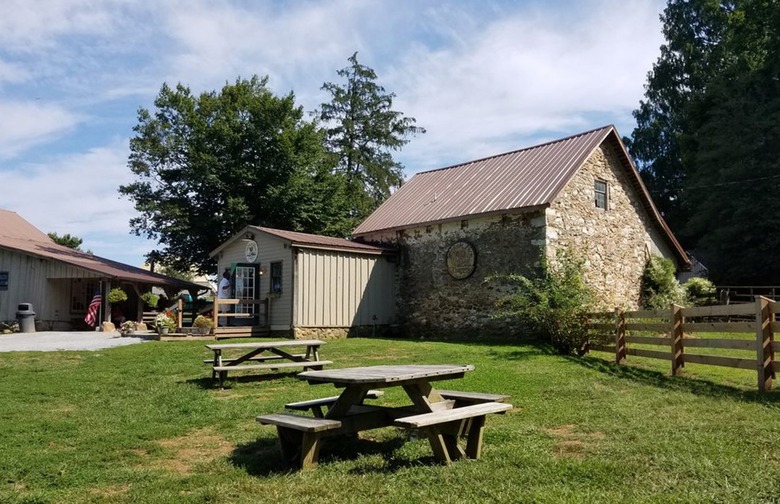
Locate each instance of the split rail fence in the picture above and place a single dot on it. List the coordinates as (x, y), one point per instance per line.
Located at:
(679, 329)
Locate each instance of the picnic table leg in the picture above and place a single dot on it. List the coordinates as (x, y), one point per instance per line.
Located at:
(217, 362)
(474, 441)
(444, 441)
(299, 448)
(439, 445)
(310, 450)
(289, 444)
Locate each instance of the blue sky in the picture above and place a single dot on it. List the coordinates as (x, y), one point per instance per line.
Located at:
(483, 77)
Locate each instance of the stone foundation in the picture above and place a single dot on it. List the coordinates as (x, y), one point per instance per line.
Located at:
(326, 333)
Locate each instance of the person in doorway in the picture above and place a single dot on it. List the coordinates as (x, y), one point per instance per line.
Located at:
(223, 292)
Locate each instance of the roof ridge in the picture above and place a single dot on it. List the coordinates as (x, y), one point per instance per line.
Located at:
(515, 151)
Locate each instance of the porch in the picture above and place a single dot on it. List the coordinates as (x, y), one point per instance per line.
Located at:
(240, 318)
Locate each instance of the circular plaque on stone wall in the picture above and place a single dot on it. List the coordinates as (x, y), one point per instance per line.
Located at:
(461, 260)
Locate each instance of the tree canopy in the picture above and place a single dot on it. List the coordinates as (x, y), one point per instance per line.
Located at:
(708, 134)
(208, 165)
(69, 241)
(361, 130)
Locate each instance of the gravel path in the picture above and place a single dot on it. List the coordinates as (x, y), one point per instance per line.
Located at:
(51, 341)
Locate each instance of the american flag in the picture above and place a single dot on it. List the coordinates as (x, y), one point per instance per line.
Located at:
(92, 311)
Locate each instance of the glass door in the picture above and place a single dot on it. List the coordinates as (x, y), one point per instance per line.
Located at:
(246, 286)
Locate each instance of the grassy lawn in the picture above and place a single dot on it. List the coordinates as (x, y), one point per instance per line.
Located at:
(143, 423)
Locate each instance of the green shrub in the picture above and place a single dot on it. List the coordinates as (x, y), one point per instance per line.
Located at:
(150, 299)
(203, 321)
(553, 303)
(659, 286)
(116, 295)
(700, 291)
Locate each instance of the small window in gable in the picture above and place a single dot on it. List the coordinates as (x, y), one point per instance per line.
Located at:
(3, 280)
(600, 189)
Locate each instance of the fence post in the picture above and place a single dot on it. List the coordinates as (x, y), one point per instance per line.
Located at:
(620, 336)
(215, 312)
(676, 334)
(764, 337)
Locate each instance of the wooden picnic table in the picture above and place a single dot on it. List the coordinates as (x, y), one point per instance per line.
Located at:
(430, 410)
(264, 355)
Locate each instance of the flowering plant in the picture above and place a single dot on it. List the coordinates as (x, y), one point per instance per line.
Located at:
(128, 327)
(164, 320)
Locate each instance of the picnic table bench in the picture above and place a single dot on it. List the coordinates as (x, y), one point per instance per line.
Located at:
(264, 355)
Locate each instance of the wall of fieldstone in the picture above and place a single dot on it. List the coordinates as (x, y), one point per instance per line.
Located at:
(615, 242)
(438, 297)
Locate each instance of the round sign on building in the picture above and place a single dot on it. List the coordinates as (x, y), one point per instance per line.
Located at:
(461, 260)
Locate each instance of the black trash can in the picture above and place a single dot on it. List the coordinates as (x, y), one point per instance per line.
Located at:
(26, 317)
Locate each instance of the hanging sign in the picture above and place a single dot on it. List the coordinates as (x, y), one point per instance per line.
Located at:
(250, 252)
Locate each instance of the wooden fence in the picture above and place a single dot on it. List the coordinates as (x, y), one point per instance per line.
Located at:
(673, 328)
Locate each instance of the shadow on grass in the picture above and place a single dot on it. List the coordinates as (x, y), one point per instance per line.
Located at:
(657, 379)
(208, 383)
(262, 457)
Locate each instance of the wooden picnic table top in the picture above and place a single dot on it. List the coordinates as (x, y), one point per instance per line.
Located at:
(386, 375)
(266, 344)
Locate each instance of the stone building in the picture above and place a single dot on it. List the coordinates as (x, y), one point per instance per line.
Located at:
(457, 226)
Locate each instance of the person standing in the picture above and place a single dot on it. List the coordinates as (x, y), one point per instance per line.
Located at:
(223, 292)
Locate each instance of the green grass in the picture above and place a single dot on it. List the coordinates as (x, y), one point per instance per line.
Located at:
(143, 423)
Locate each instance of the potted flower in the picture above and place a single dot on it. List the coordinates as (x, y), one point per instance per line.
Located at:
(203, 324)
(128, 327)
(164, 323)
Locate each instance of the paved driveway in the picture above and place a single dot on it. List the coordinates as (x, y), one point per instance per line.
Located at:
(50, 341)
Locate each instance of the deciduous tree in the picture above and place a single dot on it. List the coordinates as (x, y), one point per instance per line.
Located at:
(208, 165)
(708, 134)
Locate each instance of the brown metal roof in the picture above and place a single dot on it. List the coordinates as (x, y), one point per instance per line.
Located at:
(525, 178)
(309, 241)
(19, 235)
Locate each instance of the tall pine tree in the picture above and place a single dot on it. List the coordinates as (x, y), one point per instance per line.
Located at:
(362, 130)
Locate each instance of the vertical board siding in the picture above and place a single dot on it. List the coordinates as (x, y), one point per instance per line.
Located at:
(43, 282)
(342, 290)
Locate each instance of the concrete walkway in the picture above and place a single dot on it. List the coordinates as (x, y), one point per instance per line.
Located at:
(50, 341)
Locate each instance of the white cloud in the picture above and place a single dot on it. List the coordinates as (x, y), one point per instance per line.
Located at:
(28, 25)
(215, 43)
(77, 194)
(525, 74)
(12, 73)
(25, 124)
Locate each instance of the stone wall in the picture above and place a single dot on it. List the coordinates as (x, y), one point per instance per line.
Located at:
(434, 300)
(615, 242)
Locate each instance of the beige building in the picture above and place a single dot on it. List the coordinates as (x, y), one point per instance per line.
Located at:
(456, 227)
(60, 282)
(304, 285)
